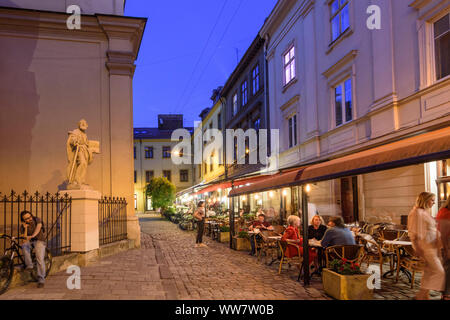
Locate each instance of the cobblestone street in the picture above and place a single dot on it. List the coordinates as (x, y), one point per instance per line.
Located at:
(168, 266)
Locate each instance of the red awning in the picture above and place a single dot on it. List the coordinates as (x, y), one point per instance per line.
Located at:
(430, 146)
(278, 180)
(426, 147)
(214, 187)
(227, 184)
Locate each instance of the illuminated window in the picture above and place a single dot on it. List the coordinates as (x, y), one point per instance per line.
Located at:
(443, 181)
(289, 65)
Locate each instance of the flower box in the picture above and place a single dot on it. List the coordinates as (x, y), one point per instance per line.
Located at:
(224, 236)
(241, 244)
(346, 287)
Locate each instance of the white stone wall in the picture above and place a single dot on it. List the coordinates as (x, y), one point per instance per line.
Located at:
(391, 70)
(392, 193)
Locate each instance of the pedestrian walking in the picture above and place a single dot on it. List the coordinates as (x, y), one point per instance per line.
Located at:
(443, 220)
(199, 216)
(426, 242)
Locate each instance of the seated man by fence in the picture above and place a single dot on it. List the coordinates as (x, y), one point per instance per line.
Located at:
(33, 230)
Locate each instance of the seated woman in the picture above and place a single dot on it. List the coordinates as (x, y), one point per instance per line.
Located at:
(317, 228)
(292, 235)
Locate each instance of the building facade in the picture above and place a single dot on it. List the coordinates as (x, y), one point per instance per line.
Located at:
(245, 96)
(51, 77)
(337, 87)
(153, 158)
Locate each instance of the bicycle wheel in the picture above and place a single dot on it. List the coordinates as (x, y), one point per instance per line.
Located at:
(6, 273)
(48, 259)
(48, 262)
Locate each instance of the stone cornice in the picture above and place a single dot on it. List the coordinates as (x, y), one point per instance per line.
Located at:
(123, 28)
(290, 102)
(429, 8)
(121, 63)
(46, 23)
(341, 63)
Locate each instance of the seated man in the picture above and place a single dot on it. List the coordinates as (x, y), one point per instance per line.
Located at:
(338, 234)
(32, 229)
(260, 224)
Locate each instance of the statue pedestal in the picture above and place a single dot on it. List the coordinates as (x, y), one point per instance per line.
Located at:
(84, 229)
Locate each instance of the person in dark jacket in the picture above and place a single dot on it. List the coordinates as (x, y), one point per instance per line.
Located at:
(317, 228)
(338, 234)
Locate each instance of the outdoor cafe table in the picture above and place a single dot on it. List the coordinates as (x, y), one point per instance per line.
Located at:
(395, 246)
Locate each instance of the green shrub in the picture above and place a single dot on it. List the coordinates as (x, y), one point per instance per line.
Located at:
(242, 234)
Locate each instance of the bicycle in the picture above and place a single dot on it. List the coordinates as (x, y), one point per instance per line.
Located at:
(7, 262)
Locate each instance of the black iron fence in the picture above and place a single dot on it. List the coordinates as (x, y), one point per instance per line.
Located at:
(54, 210)
(112, 220)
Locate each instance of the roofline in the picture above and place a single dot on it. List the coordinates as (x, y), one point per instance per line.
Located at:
(274, 14)
(254, 46)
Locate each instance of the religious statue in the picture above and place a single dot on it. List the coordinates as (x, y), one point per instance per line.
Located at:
(79, 154)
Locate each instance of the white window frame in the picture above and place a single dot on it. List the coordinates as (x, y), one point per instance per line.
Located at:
(343, 107)
(338, 13)
(292, 130)
(434, 48)
(292, 69)
(427, 54)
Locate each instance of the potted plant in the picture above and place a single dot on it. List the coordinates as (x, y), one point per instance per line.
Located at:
(224, 235)
(241, 241)
(344, 280)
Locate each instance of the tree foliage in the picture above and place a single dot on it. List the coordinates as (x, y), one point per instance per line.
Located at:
(162, 192)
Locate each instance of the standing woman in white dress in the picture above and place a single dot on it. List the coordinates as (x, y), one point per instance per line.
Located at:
(427, 244)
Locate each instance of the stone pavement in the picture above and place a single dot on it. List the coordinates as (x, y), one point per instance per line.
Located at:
(168, 266)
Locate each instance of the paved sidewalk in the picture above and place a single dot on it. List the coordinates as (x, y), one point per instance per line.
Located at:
(167, 266)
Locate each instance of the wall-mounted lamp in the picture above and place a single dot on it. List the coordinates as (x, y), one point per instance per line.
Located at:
(308, 188)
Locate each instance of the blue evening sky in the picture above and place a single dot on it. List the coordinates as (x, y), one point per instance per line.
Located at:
(189, 49)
